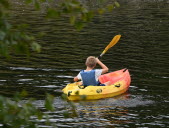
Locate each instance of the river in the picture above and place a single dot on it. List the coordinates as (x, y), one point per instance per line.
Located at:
(143, 49)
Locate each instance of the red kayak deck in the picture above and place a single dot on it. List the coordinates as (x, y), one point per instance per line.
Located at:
(116, 76)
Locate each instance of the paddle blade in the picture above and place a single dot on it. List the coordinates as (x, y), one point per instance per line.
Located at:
(111, 44)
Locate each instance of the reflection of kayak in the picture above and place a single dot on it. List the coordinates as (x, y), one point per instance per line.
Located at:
(120, 81)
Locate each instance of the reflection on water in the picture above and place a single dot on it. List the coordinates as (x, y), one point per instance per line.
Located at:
(143, 49)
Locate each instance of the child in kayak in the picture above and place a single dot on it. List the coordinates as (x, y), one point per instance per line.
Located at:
(90, 75)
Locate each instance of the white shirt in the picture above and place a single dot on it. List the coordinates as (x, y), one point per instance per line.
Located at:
(98, 72)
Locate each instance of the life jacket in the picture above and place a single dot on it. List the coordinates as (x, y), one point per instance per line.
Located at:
(88, 78)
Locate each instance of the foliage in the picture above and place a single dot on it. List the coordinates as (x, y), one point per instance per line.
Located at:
(15, 114)
(79, 12)
(16, 39)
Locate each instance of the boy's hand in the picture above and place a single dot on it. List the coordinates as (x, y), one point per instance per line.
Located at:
(75, 79)
(97, 60)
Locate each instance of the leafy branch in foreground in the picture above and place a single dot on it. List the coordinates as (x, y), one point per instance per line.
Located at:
(15, 114)
(79, 12)
(14, 39)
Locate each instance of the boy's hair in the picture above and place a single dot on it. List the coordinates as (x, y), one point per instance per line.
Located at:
(91, 61)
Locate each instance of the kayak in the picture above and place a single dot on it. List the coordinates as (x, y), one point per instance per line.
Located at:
(120, 82)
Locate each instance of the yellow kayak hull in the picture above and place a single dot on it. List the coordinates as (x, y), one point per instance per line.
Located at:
(74, 91)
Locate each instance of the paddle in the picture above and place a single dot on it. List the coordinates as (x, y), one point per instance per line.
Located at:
(111, 44)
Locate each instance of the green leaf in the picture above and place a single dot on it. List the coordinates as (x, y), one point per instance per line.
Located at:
(49, 102)
(52, 13)
(22, 26)
(5, 3)
(117, 4)
(66, 114)
(74, 5)
(84, 10)
(28, 1)
(37, 5)
(41, 34)
(36, 47)
(2, 35)
(4, 49)
(7, 25)
(64, 97)
(72, 19)
(83, 97)
(89, 16)
(39, 115)
(101, 11)
(42, 0)
(24, 93)
(79, 25)
(77, 92)
(110, 7)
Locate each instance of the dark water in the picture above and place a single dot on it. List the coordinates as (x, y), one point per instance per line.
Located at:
(143, 49)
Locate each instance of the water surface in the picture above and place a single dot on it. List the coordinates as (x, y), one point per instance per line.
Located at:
(143, 49)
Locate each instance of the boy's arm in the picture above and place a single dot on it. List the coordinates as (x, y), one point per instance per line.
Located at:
(77, 78)
(104, 67)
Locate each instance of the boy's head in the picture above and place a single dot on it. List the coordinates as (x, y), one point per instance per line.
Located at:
(91, 61)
